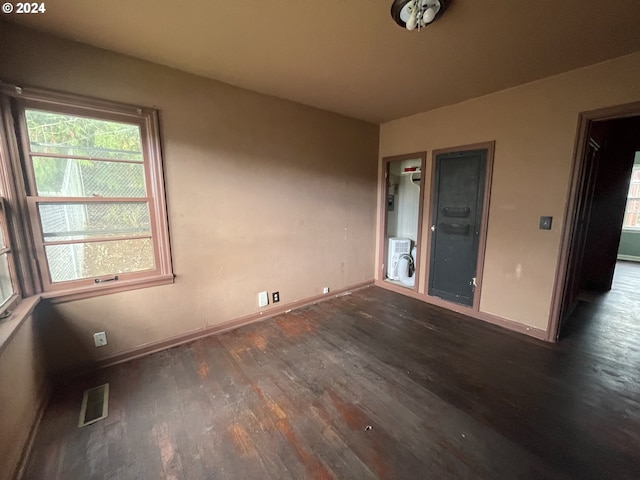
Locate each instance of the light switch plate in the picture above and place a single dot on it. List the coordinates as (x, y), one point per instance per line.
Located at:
(545, 223)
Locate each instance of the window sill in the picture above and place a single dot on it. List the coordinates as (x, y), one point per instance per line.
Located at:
(61, 296)
(10, 325)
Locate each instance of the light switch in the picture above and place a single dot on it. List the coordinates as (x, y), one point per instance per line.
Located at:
(545, 223)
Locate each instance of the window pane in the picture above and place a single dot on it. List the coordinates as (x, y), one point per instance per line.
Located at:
(73, 221)
(632, 210)
(631, 219)
(6, 287)
(88, 137)
(62, 177)
(633, 205)
(90, 260)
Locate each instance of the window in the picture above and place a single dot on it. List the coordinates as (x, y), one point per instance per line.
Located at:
(91, 178)
(632, 211)
(8, 290)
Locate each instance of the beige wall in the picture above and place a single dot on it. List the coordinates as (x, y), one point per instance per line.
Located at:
(22, 382)
(534, 127)
(262, 193)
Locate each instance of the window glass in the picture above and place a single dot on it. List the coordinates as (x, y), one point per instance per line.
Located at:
(81, 221)
(67, 177)
(632, 210)
(57, 133)
(90, 260)
(6, 285)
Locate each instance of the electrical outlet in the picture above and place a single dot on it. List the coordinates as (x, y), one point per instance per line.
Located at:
(276, 297)
(100, 339)
(263, 299)
(325, 290)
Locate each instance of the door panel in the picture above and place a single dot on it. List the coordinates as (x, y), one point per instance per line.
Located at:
(457, 215)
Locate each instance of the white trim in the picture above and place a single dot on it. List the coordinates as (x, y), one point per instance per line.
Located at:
(629, 258)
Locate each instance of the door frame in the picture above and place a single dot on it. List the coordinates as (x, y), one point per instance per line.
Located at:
(383, 249)
(576, 193)
(484, 221)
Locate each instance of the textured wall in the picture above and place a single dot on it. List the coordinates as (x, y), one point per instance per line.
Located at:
(262, 193)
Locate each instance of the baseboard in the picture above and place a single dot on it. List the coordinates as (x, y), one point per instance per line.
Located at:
(171, 342)
(485, 317)
(43, 401)
(629, 258)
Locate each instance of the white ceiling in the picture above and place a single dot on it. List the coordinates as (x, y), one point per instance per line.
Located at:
(348, 56)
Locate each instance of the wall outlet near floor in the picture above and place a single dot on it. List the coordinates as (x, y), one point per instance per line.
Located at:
(276, 297)
(100, 339)
(325, 290)
(263, 299)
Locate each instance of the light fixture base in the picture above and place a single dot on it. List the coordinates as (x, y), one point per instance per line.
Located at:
(417, 14)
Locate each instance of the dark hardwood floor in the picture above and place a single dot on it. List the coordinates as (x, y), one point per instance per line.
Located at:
(370, 385)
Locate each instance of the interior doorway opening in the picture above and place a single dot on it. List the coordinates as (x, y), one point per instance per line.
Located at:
(604, 211)
(404, 195)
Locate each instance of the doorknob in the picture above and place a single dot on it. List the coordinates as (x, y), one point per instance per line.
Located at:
(433, 228)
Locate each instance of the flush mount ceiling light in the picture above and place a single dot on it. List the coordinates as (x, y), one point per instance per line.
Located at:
(416, 14)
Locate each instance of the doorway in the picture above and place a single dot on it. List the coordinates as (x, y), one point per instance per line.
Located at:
(401, 237)
(608, 144)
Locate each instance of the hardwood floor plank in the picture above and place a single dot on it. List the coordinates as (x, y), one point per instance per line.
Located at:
(294, 419)
(291, 398)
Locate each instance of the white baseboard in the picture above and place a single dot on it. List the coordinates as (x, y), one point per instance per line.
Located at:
(628, 258)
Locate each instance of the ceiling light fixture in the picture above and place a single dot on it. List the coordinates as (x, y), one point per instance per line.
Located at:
(417, 14)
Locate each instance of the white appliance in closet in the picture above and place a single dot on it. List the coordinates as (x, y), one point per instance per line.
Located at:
(398, 246)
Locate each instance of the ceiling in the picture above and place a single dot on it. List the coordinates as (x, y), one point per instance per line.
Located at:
(348, 56)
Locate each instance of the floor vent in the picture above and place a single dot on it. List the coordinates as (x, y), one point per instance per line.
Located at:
(95, 405)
